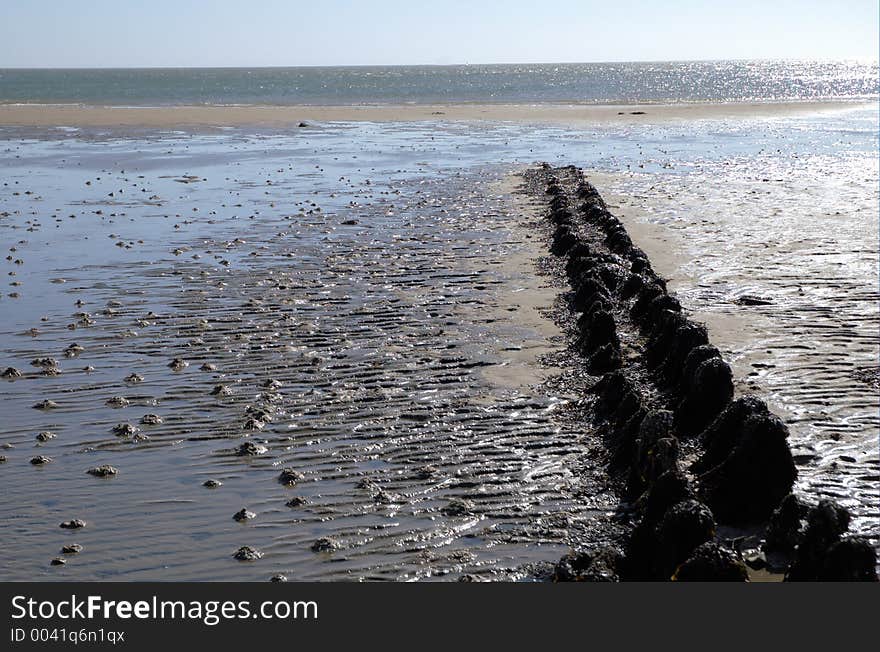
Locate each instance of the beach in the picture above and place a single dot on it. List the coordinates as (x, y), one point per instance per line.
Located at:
(205, 117)
(336, 335)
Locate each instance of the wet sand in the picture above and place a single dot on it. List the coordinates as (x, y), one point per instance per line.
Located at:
(369, 297)
(169, 117)
(380, 336)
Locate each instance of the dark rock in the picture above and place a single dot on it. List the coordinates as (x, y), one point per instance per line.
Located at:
(588, 566)
(685, 339)
(600, 330)
(606, 358)
(695, 358)
(610, 391)
(711, 562)
(563, 241)
(710, 392)
(632, 286)
(754, 478)
(850, 560)
(646, 295)
(656, 451)
(723, 434)
(590, 290)
(826, 524)
(685, 526)
(784, 528)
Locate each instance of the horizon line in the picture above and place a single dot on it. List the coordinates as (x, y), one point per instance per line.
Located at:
(867, 60)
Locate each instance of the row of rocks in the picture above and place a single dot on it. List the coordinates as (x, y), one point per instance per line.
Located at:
(672, 393)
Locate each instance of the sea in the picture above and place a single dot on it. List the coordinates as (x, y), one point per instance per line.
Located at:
(700, 81)
(365, 304)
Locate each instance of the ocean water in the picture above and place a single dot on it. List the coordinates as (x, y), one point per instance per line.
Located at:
(381, 275)
(716, 81)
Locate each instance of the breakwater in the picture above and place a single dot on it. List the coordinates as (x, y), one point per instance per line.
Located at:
(705, 477)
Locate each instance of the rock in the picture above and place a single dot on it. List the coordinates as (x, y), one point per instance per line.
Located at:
(784, 528)
(11, 372)
(45, 436)
(695, 358)
(58, 561)
(125, 430)
(243, 515)
(212, 484)
(709, 393)
(178, 364)
(45, 405)
(246, 553)
(563, 241)
(207, 366)
(74, 524)
(290, 477)
(325, 544)
(723, 434)
(118, 401)
(134, 379)
(457, 507)
(827, 522)
(711, 562)
(151, 419)
(668, 489)
(610, 391)
(685, 338)
(71, 549)
(73, 350)
(296, 501)
(249, 448)
(606, 358)
(752, 300)
(44, 362)
(600, 330)
(103, 471)
(850, 560)
(39, 460)
(656, 451)
(590, 291)
(685, 526)
(754, 478)
(278, 578)
(588, 566)
(221, 390)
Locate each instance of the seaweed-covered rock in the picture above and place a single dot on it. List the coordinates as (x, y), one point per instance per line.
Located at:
(723, 434)
(754, 478)
(685, 338)
(826, 524)
(693, 361)
(711, 562)
(590, 290)
(600, 330)
(632, 285)
(588, 566)
(606, 358)
(668, 489)
(708, 394)
(685, 526)
(610, 391)
(656, 451)
(850, 560)
(784, 527)
(563, 241)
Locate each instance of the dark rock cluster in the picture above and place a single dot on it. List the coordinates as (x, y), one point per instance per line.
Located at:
(668, 392)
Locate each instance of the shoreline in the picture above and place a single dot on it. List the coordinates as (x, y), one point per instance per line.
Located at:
(226, 116)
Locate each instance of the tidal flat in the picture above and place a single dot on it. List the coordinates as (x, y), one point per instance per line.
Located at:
(337, 344)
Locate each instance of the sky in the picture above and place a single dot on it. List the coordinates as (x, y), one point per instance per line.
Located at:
(184, 33)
